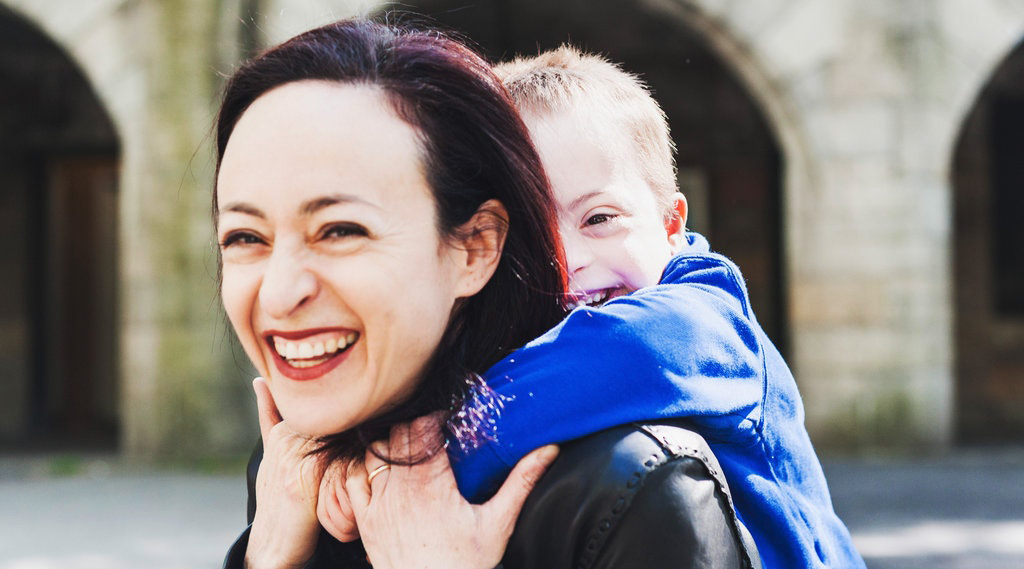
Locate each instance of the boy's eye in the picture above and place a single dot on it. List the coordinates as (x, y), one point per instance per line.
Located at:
(240, 238)
(342, 230)
(599, 218)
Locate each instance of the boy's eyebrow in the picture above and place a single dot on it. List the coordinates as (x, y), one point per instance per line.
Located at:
(576, 202)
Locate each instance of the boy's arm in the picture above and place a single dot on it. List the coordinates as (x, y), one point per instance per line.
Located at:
(669, 351)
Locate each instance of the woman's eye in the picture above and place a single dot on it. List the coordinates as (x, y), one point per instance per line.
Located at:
(342, 230)
(240, 238)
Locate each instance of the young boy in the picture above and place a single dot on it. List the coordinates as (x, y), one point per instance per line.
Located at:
(664, 327)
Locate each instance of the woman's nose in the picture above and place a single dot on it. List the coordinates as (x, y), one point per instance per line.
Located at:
(288, 284)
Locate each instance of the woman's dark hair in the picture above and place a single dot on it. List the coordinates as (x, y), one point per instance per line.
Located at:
(474, 147)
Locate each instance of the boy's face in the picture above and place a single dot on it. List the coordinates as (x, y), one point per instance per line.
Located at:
(616, 237)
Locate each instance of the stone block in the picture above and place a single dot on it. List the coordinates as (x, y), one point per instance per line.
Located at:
(864, 128)
(283, 19)
(865, 71)
(716, 9)
(800, 36)
(993, 24)
(818, 304)
(63, 19)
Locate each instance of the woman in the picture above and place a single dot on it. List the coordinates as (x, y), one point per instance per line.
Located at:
(386, 234)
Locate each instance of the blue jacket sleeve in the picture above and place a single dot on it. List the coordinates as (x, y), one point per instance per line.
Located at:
(682, 350)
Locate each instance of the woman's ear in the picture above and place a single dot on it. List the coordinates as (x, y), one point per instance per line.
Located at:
(482, 239)
(675, 224)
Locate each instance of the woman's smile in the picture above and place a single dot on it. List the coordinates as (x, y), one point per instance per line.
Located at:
(335, 276)
(309, 354)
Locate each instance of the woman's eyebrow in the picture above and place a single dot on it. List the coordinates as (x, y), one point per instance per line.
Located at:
(316, 204)
(242, 207)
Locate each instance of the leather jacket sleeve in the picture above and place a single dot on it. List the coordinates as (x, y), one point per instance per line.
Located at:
(635, 496)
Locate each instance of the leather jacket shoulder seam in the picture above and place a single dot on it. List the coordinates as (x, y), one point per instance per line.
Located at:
(663, 436)
(596, 540)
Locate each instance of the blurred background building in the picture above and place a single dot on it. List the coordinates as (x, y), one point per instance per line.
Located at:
(861, 160)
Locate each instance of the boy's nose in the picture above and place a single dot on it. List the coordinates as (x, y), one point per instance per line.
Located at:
(287, 284)
(578, 253)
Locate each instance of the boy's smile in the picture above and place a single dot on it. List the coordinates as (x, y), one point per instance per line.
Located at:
(616, 239)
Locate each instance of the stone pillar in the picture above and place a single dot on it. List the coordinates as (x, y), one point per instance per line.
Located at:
(867, 98)
(869, 243)
(183, 394)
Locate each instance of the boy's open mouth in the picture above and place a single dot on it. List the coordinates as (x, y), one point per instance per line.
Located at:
(598, 297)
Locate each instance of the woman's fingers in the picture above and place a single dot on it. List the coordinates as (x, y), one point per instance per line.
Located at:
(284, 531)
(334, 510)
(357, 488)
(266, 407)
(503, 509)
(378, 470)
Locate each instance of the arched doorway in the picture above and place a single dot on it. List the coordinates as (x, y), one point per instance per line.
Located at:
(58, 226)
(988, 181)
(729, 161)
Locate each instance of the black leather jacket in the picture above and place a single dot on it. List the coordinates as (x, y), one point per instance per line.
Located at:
(632, 497)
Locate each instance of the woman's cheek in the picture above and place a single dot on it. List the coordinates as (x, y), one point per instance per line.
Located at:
(240, 294)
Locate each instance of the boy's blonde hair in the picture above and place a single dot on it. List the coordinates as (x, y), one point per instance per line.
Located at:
(566, 79)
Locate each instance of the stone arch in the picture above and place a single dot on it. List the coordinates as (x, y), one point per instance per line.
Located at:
(60, 170)
(90, 36)
(729, 40)
(988, 267)
(733, 174)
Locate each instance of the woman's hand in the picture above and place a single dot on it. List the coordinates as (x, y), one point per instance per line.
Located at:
(333, 508)
(414, 516)
(284, 531)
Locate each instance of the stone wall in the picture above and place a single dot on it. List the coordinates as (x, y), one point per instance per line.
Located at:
(865, 98)
(155, 66)
(868, 98)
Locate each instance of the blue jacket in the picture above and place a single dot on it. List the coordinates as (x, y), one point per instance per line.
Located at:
(688, 347)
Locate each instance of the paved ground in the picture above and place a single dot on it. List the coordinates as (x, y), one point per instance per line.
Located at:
(960, 512)
(964, 511)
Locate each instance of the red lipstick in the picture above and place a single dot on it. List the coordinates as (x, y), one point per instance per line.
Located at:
(313, 372)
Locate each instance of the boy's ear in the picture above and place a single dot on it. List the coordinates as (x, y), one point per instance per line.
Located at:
(481, 240)
(675, 224)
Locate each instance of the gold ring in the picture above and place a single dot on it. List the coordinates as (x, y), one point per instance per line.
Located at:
(376, 471)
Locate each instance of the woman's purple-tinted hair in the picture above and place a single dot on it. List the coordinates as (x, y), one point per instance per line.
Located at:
(475, 147)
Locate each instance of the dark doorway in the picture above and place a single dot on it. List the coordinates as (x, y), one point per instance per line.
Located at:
(988, 181)
(58, 222)
(729, 162)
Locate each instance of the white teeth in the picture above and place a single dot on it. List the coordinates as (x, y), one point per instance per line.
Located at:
(298, 353)
(594, 299)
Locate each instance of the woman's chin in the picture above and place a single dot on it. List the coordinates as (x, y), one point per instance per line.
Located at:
(309, 426)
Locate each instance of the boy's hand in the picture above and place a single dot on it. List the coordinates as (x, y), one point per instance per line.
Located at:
(414, 516)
